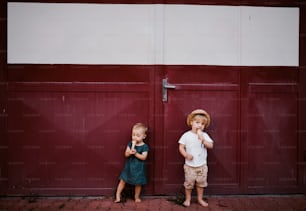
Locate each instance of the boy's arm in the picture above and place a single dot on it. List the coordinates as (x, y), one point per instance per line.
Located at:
(207, 144)
(184, 153)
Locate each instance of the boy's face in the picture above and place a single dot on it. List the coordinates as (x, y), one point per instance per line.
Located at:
(198, 122)
(138, 134)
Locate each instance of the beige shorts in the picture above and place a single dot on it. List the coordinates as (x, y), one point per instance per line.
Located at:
(196, 175)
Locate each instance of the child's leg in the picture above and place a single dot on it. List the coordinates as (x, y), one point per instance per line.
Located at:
(200, 192)
(187, 197)
(188, 184)
(137, 193)
(120, 188)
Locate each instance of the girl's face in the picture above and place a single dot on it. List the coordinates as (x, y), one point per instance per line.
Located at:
(138, 135)
(198, 122)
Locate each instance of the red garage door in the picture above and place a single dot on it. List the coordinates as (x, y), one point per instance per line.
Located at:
(254, 125)
(219, 95)
(70, 137)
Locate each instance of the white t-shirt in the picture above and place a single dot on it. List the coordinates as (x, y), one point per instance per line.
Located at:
(194, 147)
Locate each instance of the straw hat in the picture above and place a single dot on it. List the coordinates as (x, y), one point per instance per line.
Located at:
(195, 112)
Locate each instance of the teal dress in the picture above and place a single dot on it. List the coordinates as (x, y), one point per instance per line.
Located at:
(134, 171)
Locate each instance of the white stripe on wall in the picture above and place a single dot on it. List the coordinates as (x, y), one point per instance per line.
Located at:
(55, 33)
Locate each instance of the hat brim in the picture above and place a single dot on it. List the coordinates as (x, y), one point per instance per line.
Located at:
(200, 112)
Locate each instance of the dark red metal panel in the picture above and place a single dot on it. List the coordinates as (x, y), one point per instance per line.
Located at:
(3, 140)
(272, 143)
(270, 125)
(3, 108)
(70, 137)
(302, 130)
(254, 123)
(302, 101)
(218, 94)
(80, 73)
(72, 141)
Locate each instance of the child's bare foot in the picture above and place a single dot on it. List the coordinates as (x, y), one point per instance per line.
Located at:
(117, 200)
(203, 203)
(186, 203)
(137, 200)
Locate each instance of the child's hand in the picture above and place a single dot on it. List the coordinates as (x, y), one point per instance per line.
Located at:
(189, 157)
(133, 151)
(133, 144)
(199, 133)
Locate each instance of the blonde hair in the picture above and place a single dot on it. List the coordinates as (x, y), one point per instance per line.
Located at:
(142, 126)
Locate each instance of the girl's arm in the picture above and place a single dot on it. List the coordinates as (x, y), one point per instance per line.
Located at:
(142, 156)
(128, 152)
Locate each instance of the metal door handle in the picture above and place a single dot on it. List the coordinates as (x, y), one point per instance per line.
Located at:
(165, 87)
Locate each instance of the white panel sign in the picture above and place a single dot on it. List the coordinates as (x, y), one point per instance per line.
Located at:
(55, 33)
(202, 35)
(269, 36)
(80, 33)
